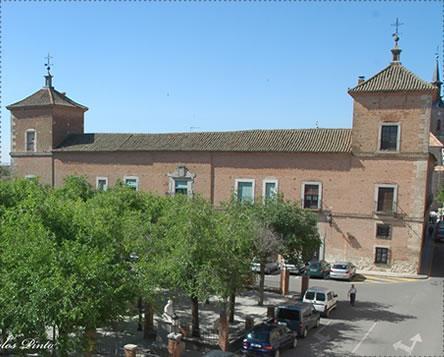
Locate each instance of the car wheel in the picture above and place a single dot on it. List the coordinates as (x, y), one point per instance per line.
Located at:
(295, 342)
(277, 353)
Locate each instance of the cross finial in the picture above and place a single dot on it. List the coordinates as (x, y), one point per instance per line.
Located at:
(397, 24)
(396, 34)
(48, 63)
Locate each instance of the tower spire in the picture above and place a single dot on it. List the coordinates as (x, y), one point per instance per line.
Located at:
(436, 81)
(396, 51)
(48, 77)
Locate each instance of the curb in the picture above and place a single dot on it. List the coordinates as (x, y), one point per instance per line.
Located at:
(391, 274)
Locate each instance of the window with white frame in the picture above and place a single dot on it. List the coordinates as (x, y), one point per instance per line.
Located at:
(181, 187)
(30, 140)
(270, 189)
(132, 182)
(245, 190)
(382, 255)
(311, 194)
(389, 135)
(102, 183)
(386, 198)
(181, 181)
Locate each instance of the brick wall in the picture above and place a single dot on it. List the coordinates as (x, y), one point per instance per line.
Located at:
(348, 190)
(412, 111)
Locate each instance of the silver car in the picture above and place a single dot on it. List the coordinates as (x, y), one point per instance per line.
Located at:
(342, 270)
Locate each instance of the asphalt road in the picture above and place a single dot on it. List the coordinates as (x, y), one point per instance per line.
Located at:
(392, 317)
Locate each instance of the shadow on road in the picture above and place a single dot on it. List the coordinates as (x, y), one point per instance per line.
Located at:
(329, 339)
(366, 310)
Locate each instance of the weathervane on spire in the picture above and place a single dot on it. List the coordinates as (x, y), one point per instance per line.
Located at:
(396, 34)
(48, 63)
(48, 77)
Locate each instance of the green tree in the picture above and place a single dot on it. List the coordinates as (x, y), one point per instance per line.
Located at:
(231, 265)
(184, 240)
(286, 229)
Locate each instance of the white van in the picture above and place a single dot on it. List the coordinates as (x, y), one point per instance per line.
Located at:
(324, 300)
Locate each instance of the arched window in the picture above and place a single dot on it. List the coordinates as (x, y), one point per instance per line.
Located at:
(30, 140)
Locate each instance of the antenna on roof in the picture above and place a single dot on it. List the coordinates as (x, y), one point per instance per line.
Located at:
(48, 77)
(194, 128)
(317, 124)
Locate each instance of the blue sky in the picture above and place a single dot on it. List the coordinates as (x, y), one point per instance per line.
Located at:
(169, 66)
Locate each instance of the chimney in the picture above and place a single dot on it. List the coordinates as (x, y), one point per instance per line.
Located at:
(361, 79)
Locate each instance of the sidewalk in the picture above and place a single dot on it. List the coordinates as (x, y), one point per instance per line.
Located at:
(391, 274)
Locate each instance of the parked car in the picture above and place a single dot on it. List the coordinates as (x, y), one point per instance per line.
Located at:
(300, 317)
(343, 270)
(324, 300)
(439, 232)
(268, 339)
(270, 267)
(296, 268)
(318, 269)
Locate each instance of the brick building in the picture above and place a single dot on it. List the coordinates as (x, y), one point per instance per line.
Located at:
(370, 185)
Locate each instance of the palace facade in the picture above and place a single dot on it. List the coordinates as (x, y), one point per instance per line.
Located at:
(372, 185)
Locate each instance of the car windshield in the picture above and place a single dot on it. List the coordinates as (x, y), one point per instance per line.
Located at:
(320, 296)
(260, 334)
(314, 265)
(287, 314)
(309, 295)
(340, 266)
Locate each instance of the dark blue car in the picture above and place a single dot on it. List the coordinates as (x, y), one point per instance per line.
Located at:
(268, 339)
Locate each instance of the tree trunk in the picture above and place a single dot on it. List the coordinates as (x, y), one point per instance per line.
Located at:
(232, 307)
(148, 322)
(90, 338)
(223, 329)
(261, 284)
(195, 330)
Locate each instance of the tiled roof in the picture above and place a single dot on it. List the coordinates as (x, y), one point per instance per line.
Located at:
(279, 140)
(46, 96)
(395, 77)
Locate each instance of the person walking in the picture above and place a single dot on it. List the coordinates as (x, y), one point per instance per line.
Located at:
(352, 295)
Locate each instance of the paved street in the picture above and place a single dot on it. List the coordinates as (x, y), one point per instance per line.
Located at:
(389, 311)
(392, 317)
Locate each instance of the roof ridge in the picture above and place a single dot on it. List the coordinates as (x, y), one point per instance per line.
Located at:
(51, 95)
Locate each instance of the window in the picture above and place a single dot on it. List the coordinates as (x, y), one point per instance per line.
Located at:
(30, 177)
(311, 195)
(381, 255)
(383, 230)
(132, 182)
(245, 190)
(102, 183)
(30, 140)
(181, 187)
(389, 137)
(386, 198)
(270, 189)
